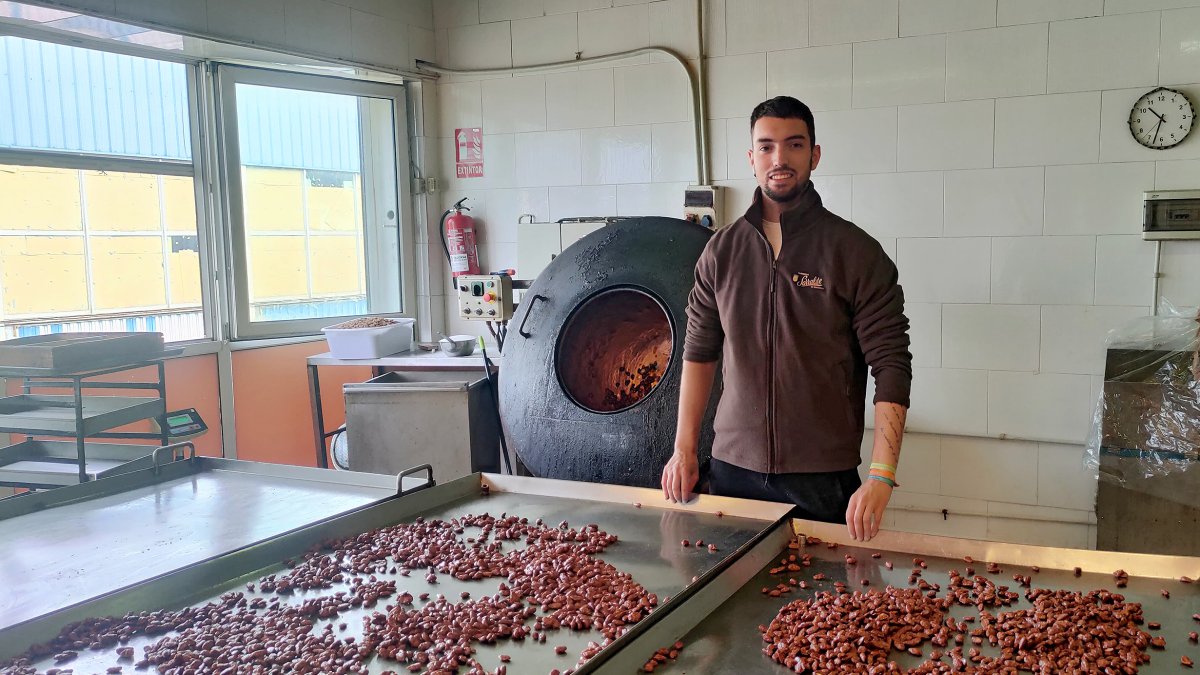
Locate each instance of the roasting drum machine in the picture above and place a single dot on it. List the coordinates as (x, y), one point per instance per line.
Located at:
(589, 390)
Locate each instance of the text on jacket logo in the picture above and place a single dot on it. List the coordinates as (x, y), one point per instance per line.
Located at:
(806, 280)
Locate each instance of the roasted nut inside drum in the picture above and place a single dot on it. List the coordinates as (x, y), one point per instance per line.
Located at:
(614, 350)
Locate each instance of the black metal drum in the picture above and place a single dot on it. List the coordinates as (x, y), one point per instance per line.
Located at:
(589, 387)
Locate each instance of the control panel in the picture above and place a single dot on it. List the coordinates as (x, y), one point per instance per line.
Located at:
(1171, 214)
(703, 205)
(485, 297)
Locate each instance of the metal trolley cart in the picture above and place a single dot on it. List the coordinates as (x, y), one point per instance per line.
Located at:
(78, 362)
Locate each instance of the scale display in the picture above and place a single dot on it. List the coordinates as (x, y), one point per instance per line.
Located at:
(179, 423)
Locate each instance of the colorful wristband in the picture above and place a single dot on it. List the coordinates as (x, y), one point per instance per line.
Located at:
(881, 472)
(885, 467)
(883, 479)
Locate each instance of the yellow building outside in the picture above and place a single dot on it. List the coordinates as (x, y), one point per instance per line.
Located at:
(85, 243)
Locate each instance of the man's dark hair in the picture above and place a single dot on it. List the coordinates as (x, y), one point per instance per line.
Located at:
(785, 107)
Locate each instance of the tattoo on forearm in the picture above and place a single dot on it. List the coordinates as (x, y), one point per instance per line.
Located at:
(892, 428)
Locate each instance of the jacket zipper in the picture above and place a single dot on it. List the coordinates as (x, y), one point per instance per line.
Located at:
(771, 373)
(771, 357)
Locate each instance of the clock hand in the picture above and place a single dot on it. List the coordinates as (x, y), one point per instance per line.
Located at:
(1160, 117)
(1154, 138)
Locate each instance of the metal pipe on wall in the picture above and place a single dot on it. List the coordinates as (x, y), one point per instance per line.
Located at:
(695, 87)
(700, 97)
(1157, 278)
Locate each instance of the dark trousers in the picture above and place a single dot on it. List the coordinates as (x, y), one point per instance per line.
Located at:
(817, 496)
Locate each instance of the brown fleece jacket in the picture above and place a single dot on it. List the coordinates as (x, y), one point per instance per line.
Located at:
(797, 335)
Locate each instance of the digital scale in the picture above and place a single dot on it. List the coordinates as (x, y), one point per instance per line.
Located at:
(181, 424)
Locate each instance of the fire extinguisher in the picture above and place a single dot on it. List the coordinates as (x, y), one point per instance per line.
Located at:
(458, 239)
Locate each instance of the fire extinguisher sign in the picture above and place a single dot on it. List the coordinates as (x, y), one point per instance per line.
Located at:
(468, 152)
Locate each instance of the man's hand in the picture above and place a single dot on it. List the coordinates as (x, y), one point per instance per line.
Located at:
(680, 475)
(865, 512)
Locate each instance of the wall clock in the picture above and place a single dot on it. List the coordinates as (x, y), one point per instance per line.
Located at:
(1161, 118)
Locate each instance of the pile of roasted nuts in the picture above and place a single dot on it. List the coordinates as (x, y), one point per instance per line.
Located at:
(855, 632)
(852, 632)
(554, 581)
(364, 322)
(661, 656)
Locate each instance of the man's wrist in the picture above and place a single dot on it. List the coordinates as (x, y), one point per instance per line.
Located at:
(882, 480)
(685, 452)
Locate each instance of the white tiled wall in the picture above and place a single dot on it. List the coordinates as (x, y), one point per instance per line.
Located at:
(900, 71)
(971, 58)
(1015, 491)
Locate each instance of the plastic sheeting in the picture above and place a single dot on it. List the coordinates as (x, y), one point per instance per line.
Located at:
(1146, 423)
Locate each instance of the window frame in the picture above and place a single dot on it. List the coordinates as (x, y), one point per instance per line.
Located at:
(238, 325)
(194, 169)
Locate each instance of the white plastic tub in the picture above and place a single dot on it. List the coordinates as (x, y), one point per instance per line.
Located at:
(370, 343)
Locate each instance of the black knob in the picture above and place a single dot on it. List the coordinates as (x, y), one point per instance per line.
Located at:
(478, 312)
(467, 310)
(464, 289)
(491, 312)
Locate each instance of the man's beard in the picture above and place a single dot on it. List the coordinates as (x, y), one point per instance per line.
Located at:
(784, 197)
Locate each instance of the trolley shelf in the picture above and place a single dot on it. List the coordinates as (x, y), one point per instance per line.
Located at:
(56, 463)
(53, 414)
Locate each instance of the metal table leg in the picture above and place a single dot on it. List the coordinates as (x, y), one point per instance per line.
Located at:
(162, 394)
(318, 415)
(79, 438)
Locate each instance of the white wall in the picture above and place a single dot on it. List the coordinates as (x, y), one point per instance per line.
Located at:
(983, 142)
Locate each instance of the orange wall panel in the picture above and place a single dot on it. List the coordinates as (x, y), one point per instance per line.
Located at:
(271, 405)
(192, 383)
(272, 413)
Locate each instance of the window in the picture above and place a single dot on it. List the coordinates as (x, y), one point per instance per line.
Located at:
(92, 26)
(313, 200)
(99, 228)
(297, 223)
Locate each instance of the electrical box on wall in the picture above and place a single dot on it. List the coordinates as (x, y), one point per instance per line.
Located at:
(485, 297)
(1171, 214)
(704, 204)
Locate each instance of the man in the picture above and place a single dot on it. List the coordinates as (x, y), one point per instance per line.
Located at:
(798, 302)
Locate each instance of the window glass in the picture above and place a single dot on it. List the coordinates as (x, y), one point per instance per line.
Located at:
(99, 229)
(70, 99)
(318, 231)
(93, 26)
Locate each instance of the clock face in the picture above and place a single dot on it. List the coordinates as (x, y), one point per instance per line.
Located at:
(1161, 119)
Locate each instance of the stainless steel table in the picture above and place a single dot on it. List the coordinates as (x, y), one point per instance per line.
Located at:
(79, 542)
(728, 640)
(690, 582)
(410, 360)
(710, 601)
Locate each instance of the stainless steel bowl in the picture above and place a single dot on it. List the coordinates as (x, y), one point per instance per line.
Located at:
(458, 345)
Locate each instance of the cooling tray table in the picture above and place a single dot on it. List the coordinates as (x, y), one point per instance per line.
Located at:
(728, 640)
(690, 582)
(70, 544)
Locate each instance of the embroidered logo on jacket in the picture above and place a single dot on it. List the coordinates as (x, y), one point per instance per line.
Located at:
(806, 280)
